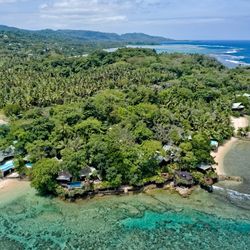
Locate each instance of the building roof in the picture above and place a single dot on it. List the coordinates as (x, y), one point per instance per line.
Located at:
(7, 166)
(184, 175)
(204, 167)
(7, 153)
(246, 95)
(64, 175)
(237, 105)
(214, 143)
(169, 147)
(87, 171)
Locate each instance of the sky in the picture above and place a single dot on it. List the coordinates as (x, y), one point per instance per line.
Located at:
(178, 19)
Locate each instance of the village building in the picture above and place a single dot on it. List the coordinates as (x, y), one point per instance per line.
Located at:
(88, 173)
(237, 106)
(7, 154)
(214, 144)
(7, 168)
(183, 178)
(64, 177)
(204, 168)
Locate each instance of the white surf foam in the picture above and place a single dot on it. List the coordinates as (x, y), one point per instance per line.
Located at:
(237, 62)
(233, 51)
(233, 194)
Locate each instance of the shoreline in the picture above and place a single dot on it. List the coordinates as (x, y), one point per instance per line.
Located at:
(240, 122)
(221, 153)
(11, 189)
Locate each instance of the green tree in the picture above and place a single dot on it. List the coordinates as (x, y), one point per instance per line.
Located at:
(44, 173)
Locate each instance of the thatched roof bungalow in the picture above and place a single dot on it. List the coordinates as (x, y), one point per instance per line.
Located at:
(87, 173)
(237, 106)
(64, 176)
(183, 178)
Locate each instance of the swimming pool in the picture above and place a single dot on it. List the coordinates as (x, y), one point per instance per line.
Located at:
(8, 165)
(76, 184)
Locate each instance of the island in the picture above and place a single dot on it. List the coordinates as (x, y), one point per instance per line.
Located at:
(115, 122)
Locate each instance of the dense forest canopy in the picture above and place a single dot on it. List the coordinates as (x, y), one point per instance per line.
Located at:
(116, 111)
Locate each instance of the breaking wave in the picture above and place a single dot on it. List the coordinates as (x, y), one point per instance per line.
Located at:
(233, 194)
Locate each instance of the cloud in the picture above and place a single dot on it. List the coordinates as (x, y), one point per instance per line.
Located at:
(11, 1)
(161, 17)
(93, 10)
(7, 1)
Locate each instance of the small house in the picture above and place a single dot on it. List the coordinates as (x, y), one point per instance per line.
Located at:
(162, 160)
(64, 177)
(88, 173)
(7, 168)
(214, 144)
(246, 95)
(204, 168)
(237, 106)
(7, 154)
(183, 178)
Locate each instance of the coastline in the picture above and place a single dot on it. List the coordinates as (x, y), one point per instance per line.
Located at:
(220, 154)
(11, 189)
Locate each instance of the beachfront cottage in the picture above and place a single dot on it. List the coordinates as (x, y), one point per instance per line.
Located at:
(237, 106)
(7, 154)
(214, 144)
(246, 95)
(6, 168)
(64, 177)
(204, 168)
(88, 173)
(183, 178)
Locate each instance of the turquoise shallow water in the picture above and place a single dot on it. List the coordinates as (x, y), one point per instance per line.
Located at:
(230, 53)
(158, 220)
(237, 162)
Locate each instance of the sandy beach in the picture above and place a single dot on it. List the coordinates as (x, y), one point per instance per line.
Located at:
(241, 122)
(10, 189)
(218, 156)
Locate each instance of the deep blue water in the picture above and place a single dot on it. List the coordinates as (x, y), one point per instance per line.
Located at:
(230, 53)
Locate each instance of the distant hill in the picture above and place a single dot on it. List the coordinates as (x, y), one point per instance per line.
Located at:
(86, 36)
(20, 42)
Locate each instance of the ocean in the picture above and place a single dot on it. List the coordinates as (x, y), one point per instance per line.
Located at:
(230, 53)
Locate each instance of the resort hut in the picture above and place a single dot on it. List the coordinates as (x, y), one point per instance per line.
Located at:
(162, 160)
(237, 106)
(7, 168)
(246, 95)
(214, 144)
(172, 152)
(183, 178)
(204, 168)
(7, 154)
(64, 177)
(88, 173)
